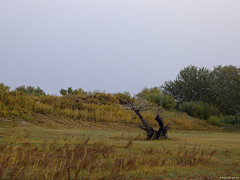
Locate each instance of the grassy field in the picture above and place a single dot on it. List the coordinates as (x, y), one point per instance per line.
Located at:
(117, 153)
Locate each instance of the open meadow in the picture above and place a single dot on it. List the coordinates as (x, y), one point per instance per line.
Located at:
(40, 152)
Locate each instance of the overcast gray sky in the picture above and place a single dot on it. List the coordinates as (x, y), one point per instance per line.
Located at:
(113, 45)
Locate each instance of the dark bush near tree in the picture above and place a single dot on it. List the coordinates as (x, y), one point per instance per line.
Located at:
(228, 120)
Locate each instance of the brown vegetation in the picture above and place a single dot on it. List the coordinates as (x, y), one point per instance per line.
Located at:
(74, 161)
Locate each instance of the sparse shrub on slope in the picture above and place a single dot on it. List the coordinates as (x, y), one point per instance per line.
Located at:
(95, 97)
(123, 98)
(63, 102)
(31, 90)
(70, 91)
(104, 98)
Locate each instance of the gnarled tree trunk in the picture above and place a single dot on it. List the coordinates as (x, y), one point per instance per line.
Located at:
(146, 126)
(151, 134)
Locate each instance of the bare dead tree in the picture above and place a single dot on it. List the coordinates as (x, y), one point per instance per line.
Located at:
(143, 106)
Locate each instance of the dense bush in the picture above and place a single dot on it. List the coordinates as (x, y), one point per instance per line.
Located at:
(200, 109)
(145, 91)
(214, 120)
(154, 95)
(164, 100)
(16, 104)
(228, 120)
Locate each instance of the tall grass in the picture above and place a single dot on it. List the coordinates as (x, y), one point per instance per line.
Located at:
(77, 161)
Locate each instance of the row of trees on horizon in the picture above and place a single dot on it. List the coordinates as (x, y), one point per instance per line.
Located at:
(199, 92)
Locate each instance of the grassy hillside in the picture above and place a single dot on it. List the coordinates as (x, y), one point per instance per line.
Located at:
(76, 110)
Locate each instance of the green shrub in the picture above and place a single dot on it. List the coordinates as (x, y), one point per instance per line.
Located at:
(70, 91)
(164, 100)
(145, 91)
(228, 120)
(187, 107)
(31, 90)
(4, 88)
(214, 120)
(200, 109)
(154, 95)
